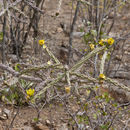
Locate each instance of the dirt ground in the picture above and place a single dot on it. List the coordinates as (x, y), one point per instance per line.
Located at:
(54, 117)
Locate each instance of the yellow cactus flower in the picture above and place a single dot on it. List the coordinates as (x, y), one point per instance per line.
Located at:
(102, 76)
(91, 46)
(101, 42)
(41, 42)
(110, 41)
(67, 89)
(30, 92)
(49, 62)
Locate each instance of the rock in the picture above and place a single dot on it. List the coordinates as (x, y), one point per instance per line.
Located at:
(128, 96)
(62, 127)
(66, 30)
(118, 94)
(6, 111)
(48, 123)
(75, 57)
(24, 128)
(59, 30)
(126, 82)
(78, 34)
(53, 32)
(3, 116)
(121, 75)
(40, 126)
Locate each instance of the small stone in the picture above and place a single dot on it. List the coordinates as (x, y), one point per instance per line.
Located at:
(124, 18)
(48, 123)
(53, 32)
(75, 57)
(24, 128)
(40, 126)
(63, 127)
(59, 30)
(3, 117)
(6, 111)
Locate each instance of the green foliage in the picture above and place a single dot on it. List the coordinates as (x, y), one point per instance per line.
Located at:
(104, 127)
(98, 109)
(12, 95)
(90, 37)
(36, 119)
(17, 67)
(82, 119)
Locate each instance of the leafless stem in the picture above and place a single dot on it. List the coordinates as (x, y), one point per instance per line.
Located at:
(12, 121)
(72, 29)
